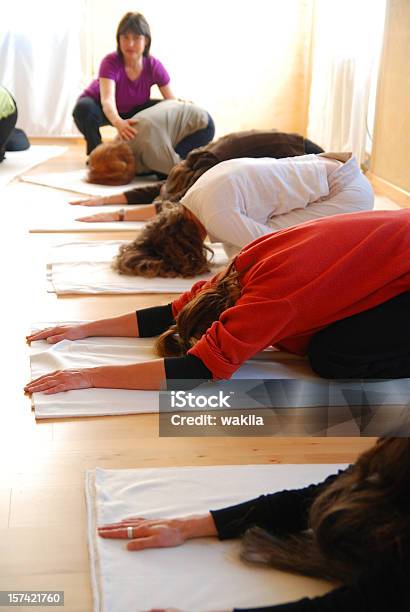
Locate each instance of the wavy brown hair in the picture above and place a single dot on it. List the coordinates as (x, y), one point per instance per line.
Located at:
(112, 163)
(358, 519)
(169, 246)
(198, 315)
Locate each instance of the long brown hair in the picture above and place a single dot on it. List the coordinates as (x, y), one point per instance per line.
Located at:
(358, 518)
(112, 163)
(171, 245)
(198, 315)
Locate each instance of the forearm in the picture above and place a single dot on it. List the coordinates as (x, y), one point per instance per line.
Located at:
(198, 526)
(143, 195)
(145, 376)
(142, 213)
(285, 511)
(123, 325)
(118, 198)
(110, 111)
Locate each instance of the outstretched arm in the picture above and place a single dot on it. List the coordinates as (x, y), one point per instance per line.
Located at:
(148, 375)
(159, 533)
(124, 325)
(142, 213)
(285, 511)
(119, 198)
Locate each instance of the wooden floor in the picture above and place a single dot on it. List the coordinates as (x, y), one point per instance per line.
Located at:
(42, 508)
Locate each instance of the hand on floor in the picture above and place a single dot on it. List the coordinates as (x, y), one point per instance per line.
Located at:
(146, 533)
(96, 201)
(58, 333)
(100, 217)
(60, 380)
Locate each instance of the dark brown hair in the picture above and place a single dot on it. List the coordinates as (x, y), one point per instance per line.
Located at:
(198, 315)
(354, 522)
(112, 163)
(137, 24)
(170, 245)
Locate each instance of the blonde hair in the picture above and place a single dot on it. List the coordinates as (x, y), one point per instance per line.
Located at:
(112, 163)
(170, 245)
(198, 315)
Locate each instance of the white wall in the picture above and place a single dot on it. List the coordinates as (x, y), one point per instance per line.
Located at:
(246, 63)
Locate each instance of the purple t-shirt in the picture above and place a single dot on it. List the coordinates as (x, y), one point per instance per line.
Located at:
(128, 94)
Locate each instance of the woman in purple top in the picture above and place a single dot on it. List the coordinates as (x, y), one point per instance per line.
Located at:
(124, 83)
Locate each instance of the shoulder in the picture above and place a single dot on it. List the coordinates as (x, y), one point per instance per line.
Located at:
(111, 61)
(157, 70)
(153, 62)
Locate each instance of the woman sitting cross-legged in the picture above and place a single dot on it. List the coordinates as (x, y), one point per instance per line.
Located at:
(353, 528)
(337, 289)
(166, 133)
(240, 200)
(251, 143)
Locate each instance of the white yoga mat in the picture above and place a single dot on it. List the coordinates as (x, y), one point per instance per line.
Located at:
(55, 217)
(203, 574)
(75, 180)
(17, 162)
(91, 352)
(86, 267)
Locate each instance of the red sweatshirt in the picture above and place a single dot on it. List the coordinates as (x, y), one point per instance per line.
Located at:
(299, 280)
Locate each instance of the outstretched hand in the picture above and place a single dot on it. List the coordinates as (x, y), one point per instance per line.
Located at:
(60, 380)
(146, 533)
(100, 217)
(95, 201)
(58, 333)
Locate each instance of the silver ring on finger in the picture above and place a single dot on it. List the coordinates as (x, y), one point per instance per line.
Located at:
(130, 535)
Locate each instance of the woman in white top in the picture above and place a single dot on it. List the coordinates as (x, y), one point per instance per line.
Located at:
(240, 200)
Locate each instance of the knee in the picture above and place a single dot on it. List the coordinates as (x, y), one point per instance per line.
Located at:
(85, 109)
(322, 359)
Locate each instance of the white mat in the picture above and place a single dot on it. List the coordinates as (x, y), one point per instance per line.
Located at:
(203, 574)
(61, 218)
(85, 267)
(17, 162)
(75, 181)
(91, 352)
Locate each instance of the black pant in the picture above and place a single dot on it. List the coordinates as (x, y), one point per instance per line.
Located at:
(372, 344)
(89, 117)
(6, 127)
(196, 140)
(312, 147)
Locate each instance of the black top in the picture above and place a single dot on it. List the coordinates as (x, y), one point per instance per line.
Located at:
(383, 588)
(157, 319)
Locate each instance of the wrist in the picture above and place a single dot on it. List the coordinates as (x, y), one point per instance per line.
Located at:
(96, 376)
(199, 526)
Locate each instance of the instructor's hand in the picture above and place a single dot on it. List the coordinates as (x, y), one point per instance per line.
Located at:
(125, 128)
(61, 380)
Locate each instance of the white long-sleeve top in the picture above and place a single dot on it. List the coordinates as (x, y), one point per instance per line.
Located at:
(240, 200)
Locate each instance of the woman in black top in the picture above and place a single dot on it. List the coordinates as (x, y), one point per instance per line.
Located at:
(353, 528)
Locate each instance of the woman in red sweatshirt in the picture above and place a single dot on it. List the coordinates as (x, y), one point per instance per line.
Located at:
(336, 289)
